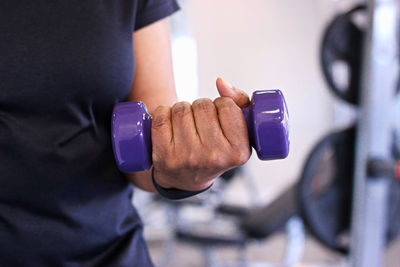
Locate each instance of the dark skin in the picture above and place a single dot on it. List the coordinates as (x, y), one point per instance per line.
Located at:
(192, 143)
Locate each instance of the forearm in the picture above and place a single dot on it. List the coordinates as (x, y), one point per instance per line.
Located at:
(153, 82)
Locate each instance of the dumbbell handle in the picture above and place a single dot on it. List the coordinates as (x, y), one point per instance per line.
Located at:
(266, 118)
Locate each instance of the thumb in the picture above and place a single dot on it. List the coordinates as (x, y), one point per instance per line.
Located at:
(238, 96)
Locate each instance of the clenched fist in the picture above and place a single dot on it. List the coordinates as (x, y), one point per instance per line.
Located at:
(194, 144)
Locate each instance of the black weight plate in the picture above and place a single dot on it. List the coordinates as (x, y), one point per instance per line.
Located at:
(325, 192)
(393, 230)
(325, 189)
(396, 145)
(342, 47)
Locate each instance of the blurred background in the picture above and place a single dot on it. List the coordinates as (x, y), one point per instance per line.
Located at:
(258, 44)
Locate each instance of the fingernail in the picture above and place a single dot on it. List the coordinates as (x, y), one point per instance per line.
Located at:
(226, 83)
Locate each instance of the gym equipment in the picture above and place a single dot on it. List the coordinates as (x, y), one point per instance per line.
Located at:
(325, 189)
(357, 61)
(341, 53)
(238, 226)
(371, 198)
(325, 192)
(266, 118)
(262, 222)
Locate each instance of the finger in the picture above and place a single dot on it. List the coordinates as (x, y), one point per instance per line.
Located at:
(206, 119)
(183, 125)
(238, 96)
(161, 132)
(232, 122)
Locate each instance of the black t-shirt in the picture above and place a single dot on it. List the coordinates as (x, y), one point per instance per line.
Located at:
(63, 66)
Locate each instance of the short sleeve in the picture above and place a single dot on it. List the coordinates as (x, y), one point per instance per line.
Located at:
(149, 11)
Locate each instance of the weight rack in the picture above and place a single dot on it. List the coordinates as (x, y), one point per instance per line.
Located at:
(374, 135)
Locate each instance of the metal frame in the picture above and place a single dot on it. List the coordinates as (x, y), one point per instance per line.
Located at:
(374, 137)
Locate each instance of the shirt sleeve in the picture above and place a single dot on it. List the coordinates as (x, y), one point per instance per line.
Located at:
(149, 11)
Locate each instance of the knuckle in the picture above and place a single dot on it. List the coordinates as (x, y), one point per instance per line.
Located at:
(221, 163)
(160, 117)
(216, 160)
(225, 103)
(171, 165)
(161, 110)
(203, 104)
(241, 157)
(192, 162)
(181, 109)
(156, 157)
(159, 121)
(161, 155)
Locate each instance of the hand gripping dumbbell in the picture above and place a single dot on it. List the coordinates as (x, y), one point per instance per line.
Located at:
(266, 118)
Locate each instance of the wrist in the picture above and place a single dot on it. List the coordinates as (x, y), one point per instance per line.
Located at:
(155, 175)
(173, 193)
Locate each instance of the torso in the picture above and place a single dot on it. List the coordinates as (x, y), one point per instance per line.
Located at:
(63, 65)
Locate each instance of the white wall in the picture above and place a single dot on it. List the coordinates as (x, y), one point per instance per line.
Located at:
(265, 44)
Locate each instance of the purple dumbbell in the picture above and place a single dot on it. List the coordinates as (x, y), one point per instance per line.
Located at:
(266, 118)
